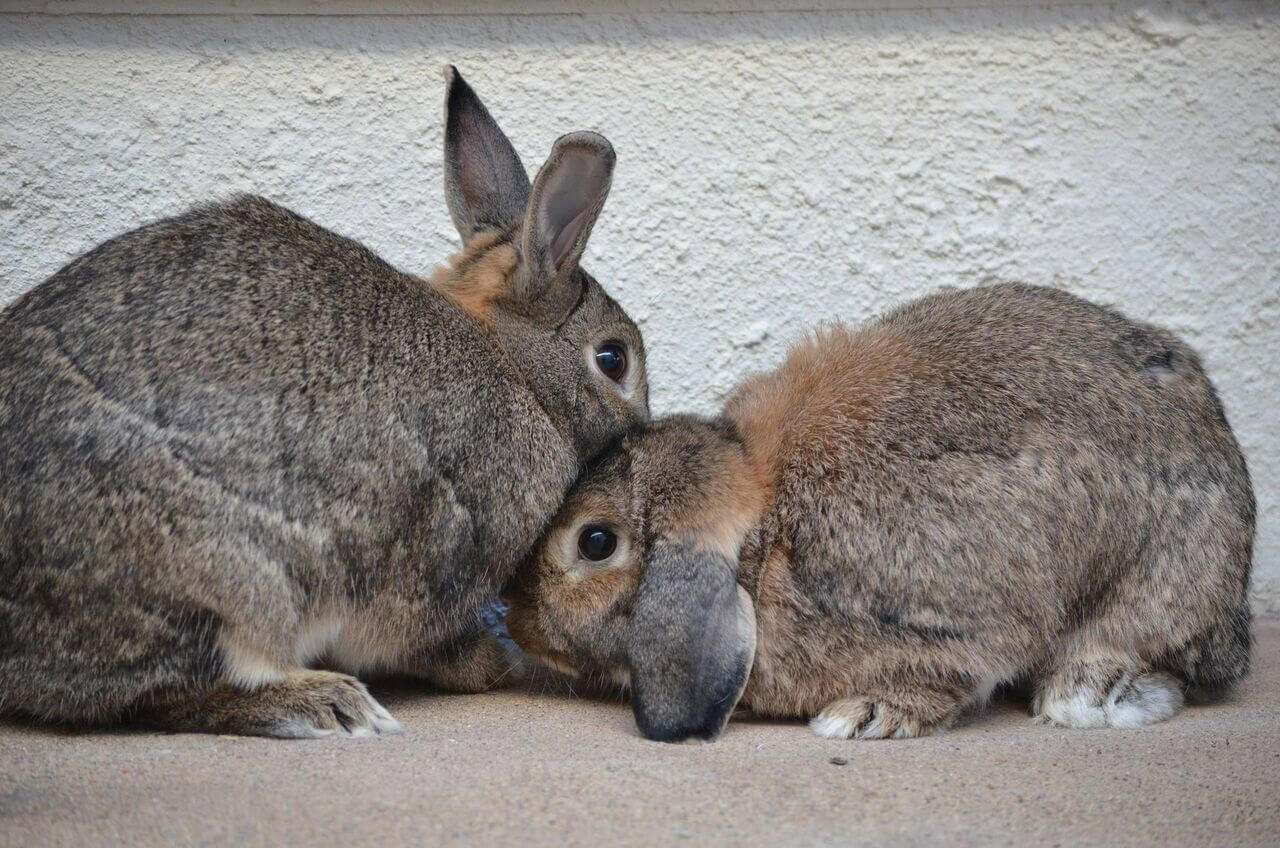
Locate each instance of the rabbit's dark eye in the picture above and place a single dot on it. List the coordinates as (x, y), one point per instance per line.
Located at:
(611, 359)
(597, 543)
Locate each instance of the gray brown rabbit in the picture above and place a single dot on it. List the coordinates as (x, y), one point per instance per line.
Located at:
(1001, 484)
(235, 446)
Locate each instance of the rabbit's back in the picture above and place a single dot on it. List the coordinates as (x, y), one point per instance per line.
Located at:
(270, 356)
(989, 372)
(238, 417)
(989, 361)
(242, 297)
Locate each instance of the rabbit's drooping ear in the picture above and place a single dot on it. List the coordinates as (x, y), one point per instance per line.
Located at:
(692, 643)
(485, 184)
(568, 194)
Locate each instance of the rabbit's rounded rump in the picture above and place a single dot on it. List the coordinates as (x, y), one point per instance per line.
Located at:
(237, 446)
(1001, 484)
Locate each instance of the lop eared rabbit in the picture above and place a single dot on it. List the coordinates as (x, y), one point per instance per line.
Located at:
(236, 446)
(993, 485)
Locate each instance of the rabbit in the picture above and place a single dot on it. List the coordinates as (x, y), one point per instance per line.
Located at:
(1005, 484)
(245, 462)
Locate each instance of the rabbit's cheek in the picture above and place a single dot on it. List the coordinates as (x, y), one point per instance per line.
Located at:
(522, 625)
(522, 628)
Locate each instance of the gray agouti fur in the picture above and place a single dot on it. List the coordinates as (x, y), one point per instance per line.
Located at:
(1001, 484)
(235, 446)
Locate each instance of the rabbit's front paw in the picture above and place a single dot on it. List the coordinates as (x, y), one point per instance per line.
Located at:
(304, 705)
(314, 704)
(868, 718)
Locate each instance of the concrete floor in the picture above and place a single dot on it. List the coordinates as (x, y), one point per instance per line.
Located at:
(512, 767)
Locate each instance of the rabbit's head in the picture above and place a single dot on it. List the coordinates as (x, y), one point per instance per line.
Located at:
(519, 274)
(636, 579)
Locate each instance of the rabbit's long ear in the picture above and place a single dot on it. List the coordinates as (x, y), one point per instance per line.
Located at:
(692, 643)
(485, 184)
(568, 194)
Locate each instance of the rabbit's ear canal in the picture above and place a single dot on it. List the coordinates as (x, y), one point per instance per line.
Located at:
(485, 184)
(568, 194)
(692, 643)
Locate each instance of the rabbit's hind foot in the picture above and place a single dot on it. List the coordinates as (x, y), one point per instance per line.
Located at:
(302, 705)
(1106, 691)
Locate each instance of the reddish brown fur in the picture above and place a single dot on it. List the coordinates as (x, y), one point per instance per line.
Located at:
(829, 387)
(713, 510)
(478, 276)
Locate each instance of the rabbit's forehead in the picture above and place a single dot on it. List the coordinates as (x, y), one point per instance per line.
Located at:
(609, 470)
(696, 486)
(608, 494)
(671, 458)
(599, 502)
(599, 310)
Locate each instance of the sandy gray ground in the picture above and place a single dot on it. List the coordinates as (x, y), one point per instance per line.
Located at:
(512, 767)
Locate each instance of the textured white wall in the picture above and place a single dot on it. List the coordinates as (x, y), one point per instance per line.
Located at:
(776, 169)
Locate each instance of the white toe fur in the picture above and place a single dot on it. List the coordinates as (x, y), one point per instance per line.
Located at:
(387, 725)
(379, 720)
(873, 729)
(832, 726)
(1131, 702)
(1148, 698)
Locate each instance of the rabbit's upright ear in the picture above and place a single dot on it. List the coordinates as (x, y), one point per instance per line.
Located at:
(485, 184)
(568, 194)
(692, 643)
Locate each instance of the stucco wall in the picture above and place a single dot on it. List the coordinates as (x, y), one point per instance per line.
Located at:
(776, 168)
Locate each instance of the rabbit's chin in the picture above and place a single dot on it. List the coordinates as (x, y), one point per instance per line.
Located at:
(618, 675)
(557, 664)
